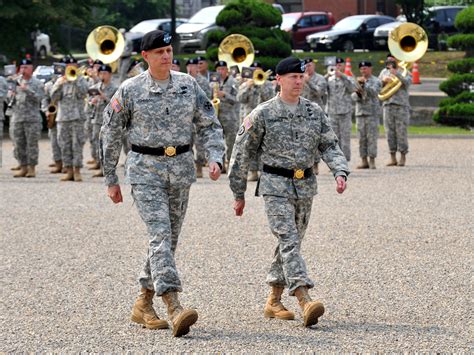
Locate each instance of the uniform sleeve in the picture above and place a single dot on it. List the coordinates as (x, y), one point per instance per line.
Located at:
(3, 89)
(246, 144)
(406, 80)
(208, 127)
(373, 87)
(117, 114)
(57, 91)
(35, 90)
(230, 92)
(45, 101)
(243, 94)
(268, 92)
(348, 83)
(82, 88)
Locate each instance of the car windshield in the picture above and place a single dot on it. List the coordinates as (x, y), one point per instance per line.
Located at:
(349, 23)
(144, 27)
(288, 21)
(44, 70)
(207, 15)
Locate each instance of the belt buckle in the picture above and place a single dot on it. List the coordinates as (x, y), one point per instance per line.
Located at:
(170, 151)
(299, 174)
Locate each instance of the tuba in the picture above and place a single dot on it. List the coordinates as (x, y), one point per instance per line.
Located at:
(237, 50)
(105, 43)
(408, 43)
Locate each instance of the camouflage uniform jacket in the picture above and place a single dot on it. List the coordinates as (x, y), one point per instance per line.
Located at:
(369, 104)
(401, 97)
(316, 89)
(154, 117)
(70, 97)
(3, 95)
(228, 102)
(47, 96)
(28, 102)
(339, 95)
(251, 96)
(98, 110)
(204, 84)
(285, 140)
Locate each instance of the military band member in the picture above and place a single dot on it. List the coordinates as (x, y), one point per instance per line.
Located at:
(287, 132)
(52, 127)
(367, 108)
(159, 109)
(203, 67)
(70, 96)
(3, 97)
(26, 119)
(92, 79)
(176, 65)
(396, 113)
(339, 106)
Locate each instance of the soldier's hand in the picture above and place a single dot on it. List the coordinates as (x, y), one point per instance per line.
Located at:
(341, 184)
(214, 171)
(239, 206)
(115, 193)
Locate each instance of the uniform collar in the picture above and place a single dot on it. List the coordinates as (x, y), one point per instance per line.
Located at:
(153, 85)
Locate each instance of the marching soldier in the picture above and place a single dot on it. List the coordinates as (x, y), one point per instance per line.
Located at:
(26, 119)
(287, 132)
(3, 97)
(396, 113)
(92, 79)
(70, 95)
(176, 65)
(367, 108)
(160, 167)
(203, 67)
(339, 106)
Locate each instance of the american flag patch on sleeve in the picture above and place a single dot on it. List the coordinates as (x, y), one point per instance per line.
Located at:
(116, 105)
(247, 123)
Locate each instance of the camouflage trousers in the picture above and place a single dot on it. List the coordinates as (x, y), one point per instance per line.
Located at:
(342, 126)
(95, 141)
(395, 121)
(53, 139)
(199, 151)
(71, 140)
(288, 219)
(162, 210)
(230, 126)
(26, 136)
(10, 133)
(368, 128)
(88, 134)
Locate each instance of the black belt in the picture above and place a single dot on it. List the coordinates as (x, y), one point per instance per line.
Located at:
(289, 173)
(170, 151)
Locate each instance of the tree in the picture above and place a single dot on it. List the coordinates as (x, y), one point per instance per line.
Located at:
(413, 10)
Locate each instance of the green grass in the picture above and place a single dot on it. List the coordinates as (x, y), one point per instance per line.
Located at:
(429, 130)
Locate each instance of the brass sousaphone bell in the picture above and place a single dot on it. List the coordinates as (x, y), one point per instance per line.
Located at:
(237, 50)
(105, 43)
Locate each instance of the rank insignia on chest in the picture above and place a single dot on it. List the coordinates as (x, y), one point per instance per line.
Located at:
(116, 105)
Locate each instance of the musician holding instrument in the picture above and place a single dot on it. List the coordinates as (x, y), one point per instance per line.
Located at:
(69, 93)
(92, 79)
(367, 109)
(26, 119)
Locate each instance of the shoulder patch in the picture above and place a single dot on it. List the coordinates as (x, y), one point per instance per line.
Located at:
(116, 105)
(247, 124)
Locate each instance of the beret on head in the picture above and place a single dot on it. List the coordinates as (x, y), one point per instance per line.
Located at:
(191, 61)
(70, 60)
(201, 59)
(98, 61)
(290, 65)
(256, 64)
(308, 60)
(105, 67)
(26, 61)
(365, 63)
(221, 63)
(155, 39)
(176, 62)
(339, 60)
(135, 62)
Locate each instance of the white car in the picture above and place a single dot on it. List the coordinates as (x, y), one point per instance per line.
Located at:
(381, 33)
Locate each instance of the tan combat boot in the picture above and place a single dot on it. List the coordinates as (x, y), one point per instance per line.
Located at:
(77, 174)
(94, 166)
(58, 167)
(143, 312)
(52, 165)
(274, 308)
(393, 160)
(69, 175)
(312, 310)
(199, 171)
(403, 160)
(372, 163)
(316, 168)
(22, 173)
(182, 319)
(98, 174)
(253, 175)
(30, 171)
(364, 164)
(15, 168)
(92, 161)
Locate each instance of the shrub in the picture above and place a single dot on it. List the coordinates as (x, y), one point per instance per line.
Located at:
(464, 97)
(461, 41)
(464, 21)
(457, 83)
(229, 18)
(250, 13)
(461, 114)
(465, 65)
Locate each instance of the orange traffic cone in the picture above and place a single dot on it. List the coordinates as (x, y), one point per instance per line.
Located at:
(348, 68)
(415, 74)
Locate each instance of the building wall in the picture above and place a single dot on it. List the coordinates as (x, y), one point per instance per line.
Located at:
(344, 8)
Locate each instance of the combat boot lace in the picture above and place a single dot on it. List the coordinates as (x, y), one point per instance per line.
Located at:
(144, 313)
(30, 171)
(182, 319)
(403, 160)
(372, 163)
(22, 172)
(58, 167)
(274, 308)
(312, 310)
(364, 164)
(393, 160)
(69, 175)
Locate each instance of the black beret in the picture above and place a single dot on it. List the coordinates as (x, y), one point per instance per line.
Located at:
(63, 60)
(390, 55)
(135, 62)
(339, 60)
(155, 39)
(308, 60)
(221, 63)
(70, 60)
(191, 61)
(201, 59)
(176, 62)
(97, 61)
(26, 61)
(290, 65)
(105, 67)
(256, 64)
(365, 63)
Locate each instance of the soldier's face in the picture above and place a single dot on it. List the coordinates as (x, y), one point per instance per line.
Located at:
(159, 58)
(340, 67)
(26, 70)
(223, 71)
(202, 66)
(192, 69)
(291, 84)
(105, 76)
(310, 68)
(366, 71)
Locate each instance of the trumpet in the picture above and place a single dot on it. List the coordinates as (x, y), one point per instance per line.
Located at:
(260, 77)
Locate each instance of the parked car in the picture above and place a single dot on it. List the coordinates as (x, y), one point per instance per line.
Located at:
(43, 73)
(302, 24)
(349, 33)
(137, 32)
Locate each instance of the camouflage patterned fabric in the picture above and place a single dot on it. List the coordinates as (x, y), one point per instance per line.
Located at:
(52, 132)
(316, 89)
(228, 113)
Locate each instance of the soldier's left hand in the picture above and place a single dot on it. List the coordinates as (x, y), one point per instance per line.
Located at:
(214, 171)
(341, 184)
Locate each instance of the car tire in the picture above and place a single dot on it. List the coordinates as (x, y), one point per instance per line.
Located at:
(42, 52)
(348, 46)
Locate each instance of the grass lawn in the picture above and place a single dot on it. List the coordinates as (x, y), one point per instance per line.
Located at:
(429, 130)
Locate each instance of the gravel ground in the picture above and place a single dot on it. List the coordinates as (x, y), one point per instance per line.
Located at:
(390, 259)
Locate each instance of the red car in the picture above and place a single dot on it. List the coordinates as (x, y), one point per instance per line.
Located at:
(302, 24)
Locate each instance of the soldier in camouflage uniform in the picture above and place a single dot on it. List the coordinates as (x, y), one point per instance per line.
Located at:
(105, 89)
(70, 96)
(203, 67)
(367, 108)
(396, 113)
(159, 109)
(26, 119)
(3, 96)
(287, 132)
(92, 79)
(339, 106)
(52, 131)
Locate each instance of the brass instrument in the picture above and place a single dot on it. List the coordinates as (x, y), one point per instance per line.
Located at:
(331, 71)
(72, 72)
(136, 70)
(260, 77)
(215, 97)
(51, 115)
(360, 87)
(105, 43)
(408, 43)
(237, 50)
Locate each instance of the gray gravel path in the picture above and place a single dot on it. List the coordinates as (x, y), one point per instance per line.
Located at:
(390, 257)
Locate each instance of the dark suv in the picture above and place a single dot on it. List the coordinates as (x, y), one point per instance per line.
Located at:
(302, 24)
